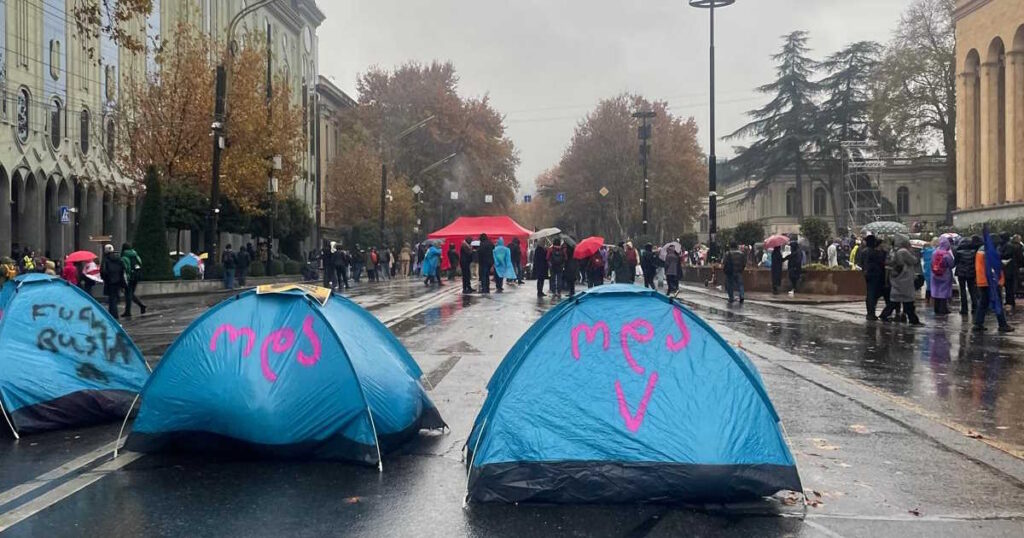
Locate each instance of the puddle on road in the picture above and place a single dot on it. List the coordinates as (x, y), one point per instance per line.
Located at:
(975, 380)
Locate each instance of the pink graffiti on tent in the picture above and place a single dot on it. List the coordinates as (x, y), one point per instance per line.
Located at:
(279, 342)
(590, 333)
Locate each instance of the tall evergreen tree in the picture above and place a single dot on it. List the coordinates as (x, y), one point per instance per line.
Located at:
(845, 113)
(151, 235)
(785, 125)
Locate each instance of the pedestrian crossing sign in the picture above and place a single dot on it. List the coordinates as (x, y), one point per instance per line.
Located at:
(65, 214)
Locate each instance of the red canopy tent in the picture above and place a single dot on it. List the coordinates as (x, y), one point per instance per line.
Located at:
(494, 227)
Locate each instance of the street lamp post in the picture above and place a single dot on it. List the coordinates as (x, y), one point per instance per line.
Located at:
(220, 113)
(645, 152)
(710, 5)
(384, 169)
(275, 165)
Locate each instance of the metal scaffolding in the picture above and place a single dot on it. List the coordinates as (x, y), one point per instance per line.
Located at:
(863, 167)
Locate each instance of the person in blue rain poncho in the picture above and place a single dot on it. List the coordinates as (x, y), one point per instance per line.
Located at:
(503, 269)
(431, 265)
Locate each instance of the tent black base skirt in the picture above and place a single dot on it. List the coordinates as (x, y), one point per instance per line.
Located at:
(335, 447)
(603, 482)
(78, 409)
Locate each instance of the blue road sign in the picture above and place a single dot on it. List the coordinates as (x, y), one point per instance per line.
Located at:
(527, 198)
(65, 214)
(560, 197)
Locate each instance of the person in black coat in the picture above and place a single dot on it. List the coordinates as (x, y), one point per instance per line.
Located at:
(1011, 253)
(796, 261)
(466, 264)
(485, 257)
(540, 267)
(648, 265)
(873, 265)
(571, 271)
(339, 262)
(777, 260)
(964, 272)
(112, 273)
(516, 249)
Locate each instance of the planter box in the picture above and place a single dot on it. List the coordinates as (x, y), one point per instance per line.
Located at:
(812, 282)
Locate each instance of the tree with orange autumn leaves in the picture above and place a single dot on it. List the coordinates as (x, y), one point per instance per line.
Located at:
(166, 119)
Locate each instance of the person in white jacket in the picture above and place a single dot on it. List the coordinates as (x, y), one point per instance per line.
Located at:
(833, 253)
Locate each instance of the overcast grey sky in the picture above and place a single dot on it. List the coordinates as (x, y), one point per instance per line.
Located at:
(546, 63)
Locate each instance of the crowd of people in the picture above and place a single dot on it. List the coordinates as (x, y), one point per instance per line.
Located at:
(118, 272)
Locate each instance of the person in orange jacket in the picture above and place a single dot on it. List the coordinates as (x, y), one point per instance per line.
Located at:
(984, 303)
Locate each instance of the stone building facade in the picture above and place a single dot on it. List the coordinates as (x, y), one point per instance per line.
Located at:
(990, 110)
(331, 101)
(58, 133)
(913, 189)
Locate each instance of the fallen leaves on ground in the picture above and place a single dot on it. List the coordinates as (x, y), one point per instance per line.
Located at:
(915, 512)
(823, 444)
(352, 500)
(974, 435)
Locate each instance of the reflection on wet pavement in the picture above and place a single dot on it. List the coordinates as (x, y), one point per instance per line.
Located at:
(974, 380)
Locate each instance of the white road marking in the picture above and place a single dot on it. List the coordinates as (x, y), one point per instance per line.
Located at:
(63, 491)
(55, 474)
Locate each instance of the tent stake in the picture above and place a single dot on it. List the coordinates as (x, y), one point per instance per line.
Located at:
(376, 440)
(4, 413)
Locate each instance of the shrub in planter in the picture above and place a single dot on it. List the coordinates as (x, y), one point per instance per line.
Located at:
(257, 268)
(292, 267)
(189, 273)
(276, 267)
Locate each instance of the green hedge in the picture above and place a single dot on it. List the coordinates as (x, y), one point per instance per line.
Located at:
(189, 273)
(257, 268)
(276, 267)
(1013, 226)
(292, 267)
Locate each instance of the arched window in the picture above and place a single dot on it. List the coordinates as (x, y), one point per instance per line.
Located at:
(56, 111)
(902, 201)
(55, 59)
(820, 201)
(790, 202)
(83, 131)
(24, 102)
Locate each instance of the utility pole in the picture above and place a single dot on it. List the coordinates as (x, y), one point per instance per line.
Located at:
(220, 115)
(644, 134)
(383, 200)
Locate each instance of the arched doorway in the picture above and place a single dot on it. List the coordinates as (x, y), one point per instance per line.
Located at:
(64, 200)
(5, 213)
(29, 215)
(971, 160)
(51, 219)
(1015, 118)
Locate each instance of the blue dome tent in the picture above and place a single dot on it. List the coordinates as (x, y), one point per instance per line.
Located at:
(290, 372)
(623, 395)
(64, 361)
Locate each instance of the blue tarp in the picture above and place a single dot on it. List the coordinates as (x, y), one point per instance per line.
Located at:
(623, 395)
(280, 375)
(188, 260)
(64, 361)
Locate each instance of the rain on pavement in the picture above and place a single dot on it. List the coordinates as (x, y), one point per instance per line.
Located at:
(871, 433)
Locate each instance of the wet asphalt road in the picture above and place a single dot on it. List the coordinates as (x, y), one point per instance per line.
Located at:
(877, 418)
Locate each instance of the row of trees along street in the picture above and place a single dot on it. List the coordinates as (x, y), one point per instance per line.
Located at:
(901, 95)
(392, 101)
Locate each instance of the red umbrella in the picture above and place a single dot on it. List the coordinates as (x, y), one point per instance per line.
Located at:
(588, 247)
(776, 241)
(81, 256)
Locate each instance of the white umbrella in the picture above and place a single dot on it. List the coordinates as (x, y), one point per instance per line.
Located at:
(663, 253)
(546, 232)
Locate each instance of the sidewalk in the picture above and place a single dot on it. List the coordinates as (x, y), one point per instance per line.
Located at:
(781, 298)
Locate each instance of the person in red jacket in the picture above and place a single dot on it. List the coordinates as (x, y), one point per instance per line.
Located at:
(70, 273)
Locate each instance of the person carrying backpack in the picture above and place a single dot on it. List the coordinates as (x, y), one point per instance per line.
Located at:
(133, 274)
(556, 263)
(229, 261)
(942, 267)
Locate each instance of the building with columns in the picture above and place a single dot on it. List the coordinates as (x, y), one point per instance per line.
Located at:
(990, 110)
(913, 190)
(58, 133)
(331, 101)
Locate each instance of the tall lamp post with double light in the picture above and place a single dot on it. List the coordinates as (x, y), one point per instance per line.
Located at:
(384, 169)
(711, 5)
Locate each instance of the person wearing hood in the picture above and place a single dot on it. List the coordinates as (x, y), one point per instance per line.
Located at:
(904, 266)
(485, 260)
(572, 270)
(112, 273)
(964, 255)
(557, 259)
(926, 264)
(466, 264)
(941, 274)
(503, 269)
(673, 269)
(431, 266)
(648, 266)
(340, 262)
(632, 260)
(985, 300)
(453, 261)
(133, 273)
(70, 273)
(404, 257)
(872, 263)
(540, 267)
(8, 269)
(516, 249)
